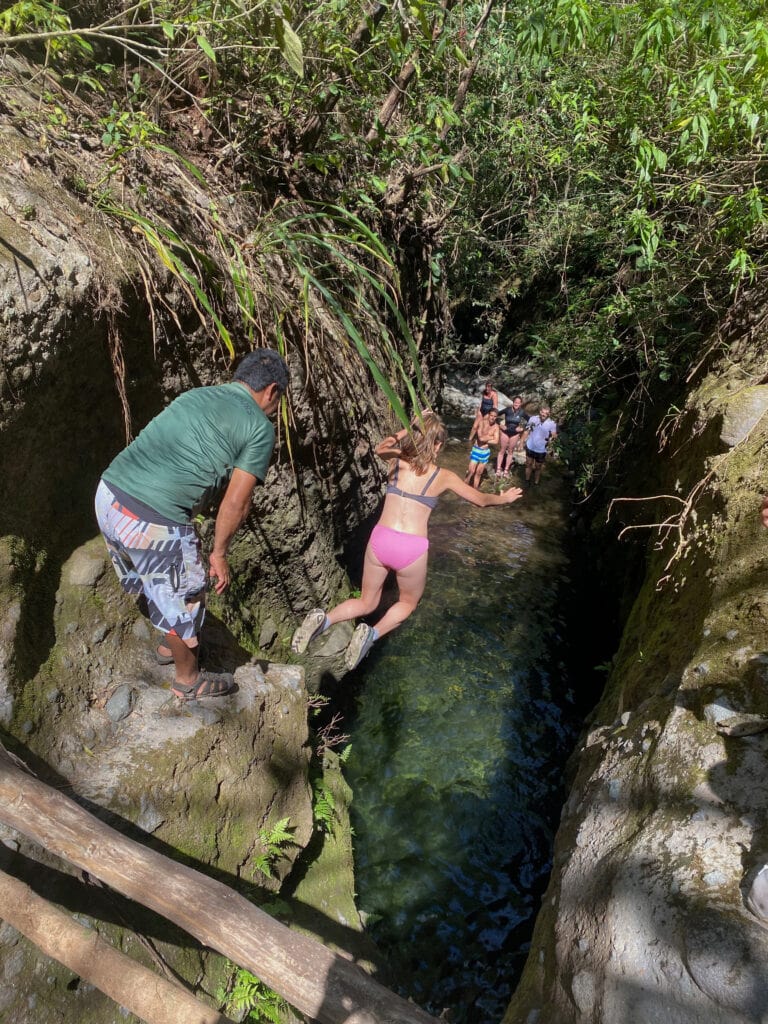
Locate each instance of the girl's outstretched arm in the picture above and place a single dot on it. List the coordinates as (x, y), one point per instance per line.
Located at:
(450, 482)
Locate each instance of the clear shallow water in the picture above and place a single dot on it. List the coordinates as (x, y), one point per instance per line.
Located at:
(461, 727)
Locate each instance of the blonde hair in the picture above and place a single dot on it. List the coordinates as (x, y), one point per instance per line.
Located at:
(419, 447)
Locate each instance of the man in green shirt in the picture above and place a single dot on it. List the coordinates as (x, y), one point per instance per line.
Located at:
(207, 441)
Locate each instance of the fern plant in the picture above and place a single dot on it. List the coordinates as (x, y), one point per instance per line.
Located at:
(323, 806)
(273, 841)
(261, 1002)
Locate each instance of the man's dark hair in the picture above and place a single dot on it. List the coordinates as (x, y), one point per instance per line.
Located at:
(261, 368)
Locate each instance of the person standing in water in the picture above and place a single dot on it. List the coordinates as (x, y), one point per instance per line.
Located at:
(542, 430)
(399, 540)
(489, 399)
(480, 456)
(512, 428)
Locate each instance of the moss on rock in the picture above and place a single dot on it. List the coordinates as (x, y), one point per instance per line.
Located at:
(644, 917)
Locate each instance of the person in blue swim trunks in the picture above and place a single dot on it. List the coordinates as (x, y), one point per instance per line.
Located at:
(479, 457)
(399, 541)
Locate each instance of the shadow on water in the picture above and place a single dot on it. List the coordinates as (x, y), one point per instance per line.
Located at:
(462, 724)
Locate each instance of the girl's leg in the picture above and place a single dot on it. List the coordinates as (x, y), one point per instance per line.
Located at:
(504, 440)
(510, 448)
(410, 583)
(374, 576)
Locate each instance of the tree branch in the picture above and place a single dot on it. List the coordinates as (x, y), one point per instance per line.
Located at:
(317, 981)
(92, 958)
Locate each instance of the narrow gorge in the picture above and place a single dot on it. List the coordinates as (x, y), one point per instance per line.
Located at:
(406, 203)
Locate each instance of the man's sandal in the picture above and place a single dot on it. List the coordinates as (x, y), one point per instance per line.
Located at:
(207, 684)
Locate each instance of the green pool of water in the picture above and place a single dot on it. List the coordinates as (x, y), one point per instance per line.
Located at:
(461, 727)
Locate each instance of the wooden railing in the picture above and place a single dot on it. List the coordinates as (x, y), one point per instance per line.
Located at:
(313, 979)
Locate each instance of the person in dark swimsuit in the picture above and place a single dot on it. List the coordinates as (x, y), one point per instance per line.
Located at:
(399, 540)
(512, 428)
(489, 399)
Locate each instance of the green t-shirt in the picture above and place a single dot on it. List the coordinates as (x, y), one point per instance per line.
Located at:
(184, 457)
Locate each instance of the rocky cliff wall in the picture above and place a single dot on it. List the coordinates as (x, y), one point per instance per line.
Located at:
(667, 819)
(76, 331)
(95, 340)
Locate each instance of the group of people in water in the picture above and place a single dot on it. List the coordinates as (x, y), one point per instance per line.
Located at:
(512, 430)
(218, 441)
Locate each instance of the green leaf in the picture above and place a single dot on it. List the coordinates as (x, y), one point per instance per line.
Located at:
(194, 171)
(290, 46)
(280, 833)
(206, 47)
(461, 57)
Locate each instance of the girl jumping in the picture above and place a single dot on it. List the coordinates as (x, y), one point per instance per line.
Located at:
(399, 541)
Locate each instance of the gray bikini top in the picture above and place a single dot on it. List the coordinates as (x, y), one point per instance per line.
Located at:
(430, 502)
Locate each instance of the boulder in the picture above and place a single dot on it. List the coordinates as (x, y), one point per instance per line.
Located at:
(207, 779)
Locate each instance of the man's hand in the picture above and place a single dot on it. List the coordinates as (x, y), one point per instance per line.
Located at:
(219, 570)
(764, 512)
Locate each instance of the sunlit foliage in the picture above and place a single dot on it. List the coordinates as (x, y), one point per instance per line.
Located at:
(620, 178)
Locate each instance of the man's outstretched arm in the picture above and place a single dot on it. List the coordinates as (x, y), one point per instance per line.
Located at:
(234, 507)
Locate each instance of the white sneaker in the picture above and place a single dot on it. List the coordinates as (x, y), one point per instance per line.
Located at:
(361, 642)
(757, 897)
(311, 627)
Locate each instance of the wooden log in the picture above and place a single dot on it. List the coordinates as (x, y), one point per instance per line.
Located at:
(310, 977)
(91, 957)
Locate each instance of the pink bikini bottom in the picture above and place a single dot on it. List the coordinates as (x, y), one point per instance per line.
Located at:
(397, 550)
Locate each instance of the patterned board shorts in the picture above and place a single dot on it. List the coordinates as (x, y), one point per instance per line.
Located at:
(162, 563)
(480, 454)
